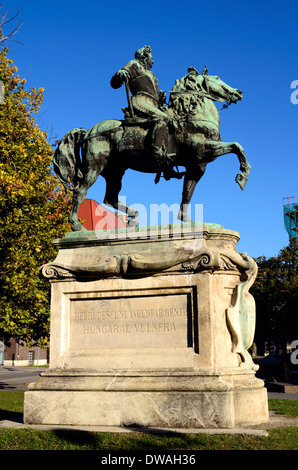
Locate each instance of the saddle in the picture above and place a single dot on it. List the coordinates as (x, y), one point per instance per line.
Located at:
(131, 140)
(135, 121)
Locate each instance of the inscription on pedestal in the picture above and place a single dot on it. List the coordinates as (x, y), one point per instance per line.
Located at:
(155, 321)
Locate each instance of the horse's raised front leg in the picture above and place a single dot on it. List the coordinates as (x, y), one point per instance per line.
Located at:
(113, 187)
(189, 184)
(215, 149)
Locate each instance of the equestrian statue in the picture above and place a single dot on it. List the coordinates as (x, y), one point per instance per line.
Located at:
(154, 137)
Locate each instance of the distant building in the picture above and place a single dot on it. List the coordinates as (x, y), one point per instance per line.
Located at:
(19, 354)
(290, 208)
(95, 217)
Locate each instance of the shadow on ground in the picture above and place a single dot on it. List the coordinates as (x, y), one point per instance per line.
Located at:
(11, 416)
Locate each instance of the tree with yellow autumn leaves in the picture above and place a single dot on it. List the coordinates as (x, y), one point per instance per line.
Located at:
(33, 210)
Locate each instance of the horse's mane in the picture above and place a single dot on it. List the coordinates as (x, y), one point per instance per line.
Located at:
(187, 94)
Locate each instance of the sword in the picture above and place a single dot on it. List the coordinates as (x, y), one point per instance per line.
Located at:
(129, 99)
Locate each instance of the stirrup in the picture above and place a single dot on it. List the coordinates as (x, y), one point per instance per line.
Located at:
(171, 173)
(168, 174)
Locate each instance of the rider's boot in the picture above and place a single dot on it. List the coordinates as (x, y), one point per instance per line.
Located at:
(166, 163)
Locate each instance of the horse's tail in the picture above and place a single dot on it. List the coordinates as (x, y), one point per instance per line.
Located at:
(66, 160)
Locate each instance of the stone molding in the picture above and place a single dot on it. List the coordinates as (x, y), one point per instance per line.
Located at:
(132, 264)
(194, 251)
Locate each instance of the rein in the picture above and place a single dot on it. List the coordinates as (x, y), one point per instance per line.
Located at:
(200, 94)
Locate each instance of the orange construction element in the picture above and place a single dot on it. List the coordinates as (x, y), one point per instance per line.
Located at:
(97, 217)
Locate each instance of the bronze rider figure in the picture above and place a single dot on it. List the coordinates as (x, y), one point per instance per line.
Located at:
(148, 102)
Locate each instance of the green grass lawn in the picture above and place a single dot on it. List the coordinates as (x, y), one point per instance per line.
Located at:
(11, 407)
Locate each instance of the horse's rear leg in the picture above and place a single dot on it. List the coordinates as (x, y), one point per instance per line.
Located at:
(190, 181)
(78, 198)
(79, 195)
(113, 188)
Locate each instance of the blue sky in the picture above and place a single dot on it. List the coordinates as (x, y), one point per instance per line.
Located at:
(72, 49)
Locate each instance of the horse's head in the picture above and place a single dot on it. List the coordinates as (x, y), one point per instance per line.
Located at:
(193, 90)
(220, 91)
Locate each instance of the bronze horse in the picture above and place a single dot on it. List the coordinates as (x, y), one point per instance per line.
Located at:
(113, 146)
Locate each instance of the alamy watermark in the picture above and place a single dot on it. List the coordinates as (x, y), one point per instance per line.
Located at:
(294, 354)
(294, 94)
(155, 221)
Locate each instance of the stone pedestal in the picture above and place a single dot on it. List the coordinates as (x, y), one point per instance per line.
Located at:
(150, 329)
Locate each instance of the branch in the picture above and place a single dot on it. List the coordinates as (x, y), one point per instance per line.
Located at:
(4, 21)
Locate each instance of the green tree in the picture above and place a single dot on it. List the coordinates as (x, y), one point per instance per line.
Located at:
(276, 295)
(33, 210)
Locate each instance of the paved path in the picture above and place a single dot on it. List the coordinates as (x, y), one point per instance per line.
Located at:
(283, 396)
(17, 378)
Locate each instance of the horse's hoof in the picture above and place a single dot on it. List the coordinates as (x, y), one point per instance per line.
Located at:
(133, 222)
(76, 227)
(185, 219)
(241, 180)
